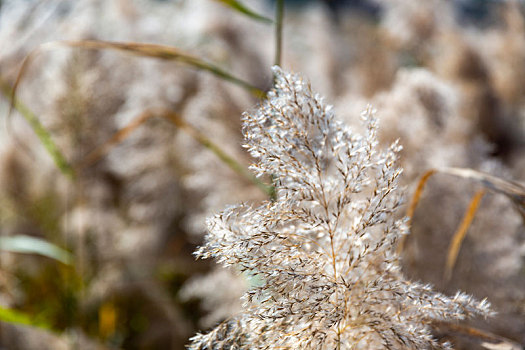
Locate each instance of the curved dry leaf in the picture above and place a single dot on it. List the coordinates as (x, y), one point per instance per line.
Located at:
(460, 234)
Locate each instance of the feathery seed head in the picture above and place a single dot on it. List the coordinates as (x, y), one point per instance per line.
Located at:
(325, 248)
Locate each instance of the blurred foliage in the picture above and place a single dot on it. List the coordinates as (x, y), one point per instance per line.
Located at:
(18, 317)
(52, 294)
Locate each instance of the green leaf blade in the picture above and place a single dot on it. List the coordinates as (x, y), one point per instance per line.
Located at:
(31, 245)
(237, 6)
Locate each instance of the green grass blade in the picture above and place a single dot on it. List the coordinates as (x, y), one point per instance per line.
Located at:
(32, 245)
(18, 317)
(237, 6)
(43, 135)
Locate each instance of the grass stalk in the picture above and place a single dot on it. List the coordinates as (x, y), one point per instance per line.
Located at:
(279, 15)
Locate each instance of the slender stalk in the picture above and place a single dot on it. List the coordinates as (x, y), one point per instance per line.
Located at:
(279, 14)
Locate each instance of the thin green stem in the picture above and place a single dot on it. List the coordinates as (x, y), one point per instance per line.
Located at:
(279, 14)
(255, 91)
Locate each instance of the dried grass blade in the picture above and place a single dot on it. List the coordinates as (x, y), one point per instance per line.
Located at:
(419, 191)
(460, 234)
(117, 138)
(237, 6)
(413, 204)
(166, 53)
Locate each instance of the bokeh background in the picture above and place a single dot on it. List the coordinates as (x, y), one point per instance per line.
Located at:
(111, 162)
